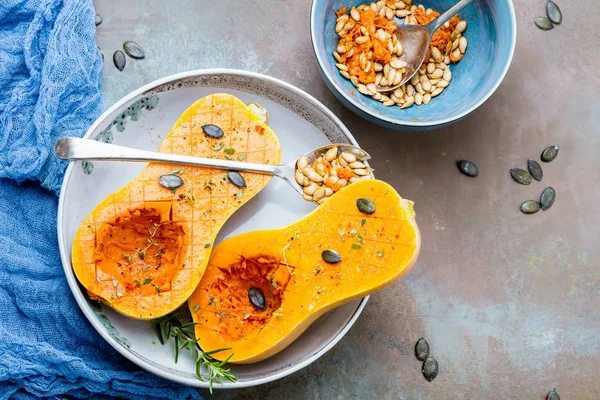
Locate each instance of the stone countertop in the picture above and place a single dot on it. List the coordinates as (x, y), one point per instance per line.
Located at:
(508, 302)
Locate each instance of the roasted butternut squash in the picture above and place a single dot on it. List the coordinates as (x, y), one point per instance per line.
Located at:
(262, 289)
(144, 249)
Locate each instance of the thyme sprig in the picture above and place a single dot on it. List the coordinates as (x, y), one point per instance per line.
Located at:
(171, 327)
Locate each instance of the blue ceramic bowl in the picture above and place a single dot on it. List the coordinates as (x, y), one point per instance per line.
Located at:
(491, 32)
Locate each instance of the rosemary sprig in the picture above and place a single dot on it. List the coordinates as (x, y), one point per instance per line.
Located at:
(171, 327)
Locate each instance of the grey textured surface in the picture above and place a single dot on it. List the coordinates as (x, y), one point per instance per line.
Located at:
(508, 302)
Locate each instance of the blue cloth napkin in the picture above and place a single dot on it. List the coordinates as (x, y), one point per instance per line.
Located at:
(50, 86)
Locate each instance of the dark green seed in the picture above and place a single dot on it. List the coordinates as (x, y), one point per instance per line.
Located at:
(133, 50)
(213, 131)
(331, 256)
(552, 395)
(547, 198)
(553, 12)
(543, 23)
(257, 298)
(98, 20)
(119, 60)
(549, 153)
(530, 207)
(170, 181)
(467, 168)
(236, 178)
(365, 206)
(535, 170)
(520, 176)
(430, 368)
(422, 349)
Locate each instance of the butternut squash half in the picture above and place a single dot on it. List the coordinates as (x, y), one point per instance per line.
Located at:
(262, 289)
(144, 249)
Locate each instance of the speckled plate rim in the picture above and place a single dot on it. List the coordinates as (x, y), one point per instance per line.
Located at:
(412, 123)
(72, 280)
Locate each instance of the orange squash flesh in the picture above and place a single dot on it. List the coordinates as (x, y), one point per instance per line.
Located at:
(286, 265)
(144, 249)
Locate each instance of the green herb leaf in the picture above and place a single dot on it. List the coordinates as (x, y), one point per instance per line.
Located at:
(177, 171)
(120, 292)
(353, 231)
(273, 282)
(360, 239)
(380, 254)
(147, 281)
(173, 191)
(246, 316)
(157, 288)
(207, 245)
(363, 222)
(241, 157)
(240, 194)
(141, 254)
(218, 147)
(138, 284)
(196, 307)
(115, 283)
(229, 150)
(342, 231)
(356, 246)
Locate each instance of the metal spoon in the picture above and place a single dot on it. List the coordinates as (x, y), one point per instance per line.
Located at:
(415, 40)
(69, 148)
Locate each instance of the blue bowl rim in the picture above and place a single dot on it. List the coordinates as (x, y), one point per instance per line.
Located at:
(414, 123)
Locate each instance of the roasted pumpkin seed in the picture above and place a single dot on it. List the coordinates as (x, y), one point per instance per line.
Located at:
(430, 368)
(543, 23)
(170, 181)
(257, 298)
(549, 153)
(119, 60)
(547, 198)
(213, 131)
(553, 12)
(331, 256)
(521, 176)
(98, 19)
(529, 207)
(467, 168)
(365, 205)
(133, 50)
(535, 170)
(552, 395)
(422, 349)
(236, 178)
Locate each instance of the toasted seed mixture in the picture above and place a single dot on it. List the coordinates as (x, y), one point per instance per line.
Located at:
(368, 51)
(328, 173)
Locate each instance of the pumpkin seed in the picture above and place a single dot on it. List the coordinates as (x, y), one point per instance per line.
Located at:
(422, 349)
(430, 368)
(133, 50)
(331, 256)
(119, 60)
(467, 168)
(212, 131)
(170, 181)
(365, 205)
(547, 198)
(553, 12)
(549, 153)
(552, 395)
(98, 19)
(236, 178)
(257, 298)
(543, 23)
(535, 170)
(521, 176)
(529, 207)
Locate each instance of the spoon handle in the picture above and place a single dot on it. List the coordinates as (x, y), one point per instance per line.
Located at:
(69, 148)
(441, 20)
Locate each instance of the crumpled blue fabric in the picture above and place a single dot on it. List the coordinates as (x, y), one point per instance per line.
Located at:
(50, 86)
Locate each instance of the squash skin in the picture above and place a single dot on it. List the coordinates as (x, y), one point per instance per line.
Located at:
(390, 247)
(201, 212)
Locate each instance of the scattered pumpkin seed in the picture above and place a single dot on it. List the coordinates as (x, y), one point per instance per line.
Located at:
(257, 298)
(529, 207)
(422, 349)
(430, 368)
(549, 153)
(119, 60)
(363, 221)
(133, 50)
(356, 246)
(380, 254)
(120, 292)
(535, 170)
(467, 168)
(240, 194)
(98, 19)
(241, 157)
(553, 12)
(207, 245)
(213, 131)
(236, 178)
(521, 176)
(365, 205)
(229, 150)
(170, 181)
(331, 256)
(196, 307)
(543, 23)
(547, 198)
(218, 147)
(115, 283)
(552, 395)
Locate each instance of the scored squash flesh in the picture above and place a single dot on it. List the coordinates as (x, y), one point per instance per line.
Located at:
(144, 249)
(262, 289)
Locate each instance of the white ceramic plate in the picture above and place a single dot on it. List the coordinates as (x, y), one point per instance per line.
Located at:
(141, 120)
